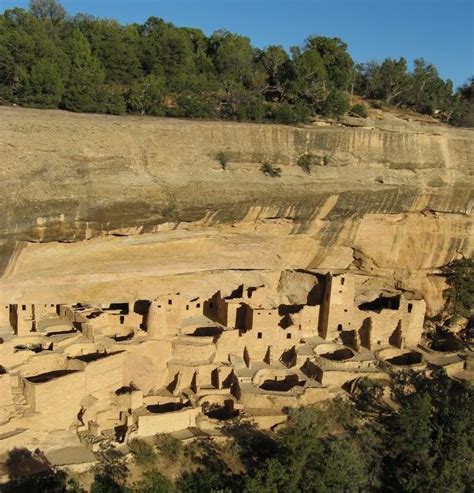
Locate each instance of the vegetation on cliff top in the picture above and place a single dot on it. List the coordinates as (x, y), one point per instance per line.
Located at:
(80, 63)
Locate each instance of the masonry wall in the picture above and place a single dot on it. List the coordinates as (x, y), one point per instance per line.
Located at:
(59, 398)
(260, 319)
(307, 320)
(6, 398)
(4, 315)
(150, 424)
(166, 314)
(105, 375)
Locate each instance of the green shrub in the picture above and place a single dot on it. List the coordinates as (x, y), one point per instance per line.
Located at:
(336, 104)
(359, 110)
(460, 276)
(143, 453)
(306, 162)
(270, 170)
(169, 447)
(224, 158)
(153, 481)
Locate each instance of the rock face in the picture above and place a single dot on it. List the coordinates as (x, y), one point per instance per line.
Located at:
(388, 198)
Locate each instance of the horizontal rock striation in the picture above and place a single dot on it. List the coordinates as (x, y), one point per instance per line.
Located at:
(392, 198)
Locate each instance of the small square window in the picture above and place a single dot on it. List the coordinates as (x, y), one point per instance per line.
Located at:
(339, 327)
(259, 335)
(23, 307)
(288, 336)
(170, 302)
(410, 307)
(198, 305)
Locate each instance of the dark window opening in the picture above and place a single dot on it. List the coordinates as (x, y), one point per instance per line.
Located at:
(339, 327)
(381, 303)
(342, 281)
(410, 307)
(211, 305)
(259, 335)
(187, 307)
(23, 307)
(288, 336)
(170, 302)
(198, 305)
(122, 319)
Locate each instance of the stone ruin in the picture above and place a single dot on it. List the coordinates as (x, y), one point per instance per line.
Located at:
(81, 374)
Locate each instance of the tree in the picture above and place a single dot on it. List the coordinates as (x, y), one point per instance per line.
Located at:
(274, 61)
(153, 482)
(309, 81)
(47, 9)
(460, 277)
(391, 81)
(337, 61)
(45, 86)
(232, 56)
(146, 96)
(82, 92)
(336, 104)
(463, 111)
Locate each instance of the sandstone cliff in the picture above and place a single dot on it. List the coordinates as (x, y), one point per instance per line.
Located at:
(392, 198)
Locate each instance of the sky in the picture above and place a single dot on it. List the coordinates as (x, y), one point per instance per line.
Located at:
(441, 31)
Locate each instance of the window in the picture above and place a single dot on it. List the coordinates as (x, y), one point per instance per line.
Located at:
(259, 335)
(288, 336)
(23, 307)
(342, 281)
(187, 307)
(211, 305)
(198, 305)
(345, 309)
(339, 327)
(170, 302)
(122, 319)
(410, 307)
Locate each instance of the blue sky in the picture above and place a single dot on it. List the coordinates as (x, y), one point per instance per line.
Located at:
(441, 31)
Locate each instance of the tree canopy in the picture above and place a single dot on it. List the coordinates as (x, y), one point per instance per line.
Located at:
(81, 63)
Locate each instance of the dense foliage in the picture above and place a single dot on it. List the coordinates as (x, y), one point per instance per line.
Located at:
(51, 60)
(419, 441)
(460, 277)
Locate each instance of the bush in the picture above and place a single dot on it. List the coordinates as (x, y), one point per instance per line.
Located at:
(153, 481)
(269, 170)
(224, 158)
(359, 110)
(143, 453)
(306, 162)
(460, 277)
(169, 447)
(336, 104)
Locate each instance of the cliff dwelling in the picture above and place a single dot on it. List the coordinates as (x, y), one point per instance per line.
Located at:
(180, 362)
